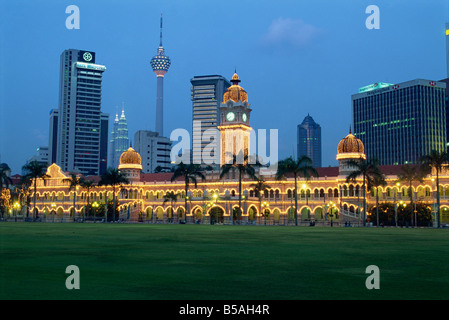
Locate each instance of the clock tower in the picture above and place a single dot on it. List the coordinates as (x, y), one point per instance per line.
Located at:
(234, 125)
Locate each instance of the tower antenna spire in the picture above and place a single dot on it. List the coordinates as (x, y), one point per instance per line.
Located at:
(160, 43)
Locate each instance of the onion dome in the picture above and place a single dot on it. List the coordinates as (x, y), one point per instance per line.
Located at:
(130, 159)
(235, 92)
(350, 147)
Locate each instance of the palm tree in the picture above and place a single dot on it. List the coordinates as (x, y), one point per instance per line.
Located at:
(409, 174)
(88, 185)
(4, 179)
(35, 171)
(113, 177)
(435, 160)
(172, 197)
(245, 167)
(4, 176)
(74, 183)
(259, 187)
(377, 181)
(368, 170)
(301, 167)
(189, 172)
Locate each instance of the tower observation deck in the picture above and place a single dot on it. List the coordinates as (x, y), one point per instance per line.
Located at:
(160, 64)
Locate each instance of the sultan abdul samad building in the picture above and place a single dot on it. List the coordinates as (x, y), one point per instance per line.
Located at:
(324, 199)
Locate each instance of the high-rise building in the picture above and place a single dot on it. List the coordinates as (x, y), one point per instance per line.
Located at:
(42, 157)
(447, 49)
(309, 140)
(154, 150)
(207, 93)
(53, 136)
(119, 140)
(81, 124)
(160, 64)
(400, 123)
(104, 134)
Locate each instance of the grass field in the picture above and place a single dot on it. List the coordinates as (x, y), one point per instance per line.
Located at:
(204, 262)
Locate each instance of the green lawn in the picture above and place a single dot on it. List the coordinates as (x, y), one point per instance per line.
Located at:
(163, 262)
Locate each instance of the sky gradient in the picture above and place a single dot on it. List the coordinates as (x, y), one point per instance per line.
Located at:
(293, 57)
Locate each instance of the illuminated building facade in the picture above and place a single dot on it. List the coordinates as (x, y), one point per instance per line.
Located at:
(400, 123)
(309, 140)
(235, 129)
(119, 139)
(207, 93)
(326, 199)
(82, 127)
(160, 64)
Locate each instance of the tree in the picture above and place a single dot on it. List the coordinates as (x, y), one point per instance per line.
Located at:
(435, 160)
(113, 177)
(368, 170)
(34, 170)
(301, 167)
(88, 185)
(74, 183)
(243, 167)
(189, 172)
(4, 179)
(171, 197)
(259, 187)
(375, 183)
(409, 174)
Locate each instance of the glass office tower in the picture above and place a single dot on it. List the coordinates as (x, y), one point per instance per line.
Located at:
(400, 123)
(207, 94)
(309, 140)
(80, 120)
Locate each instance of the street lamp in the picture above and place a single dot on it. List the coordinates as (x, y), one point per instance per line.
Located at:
(16, 208)
(264, 206)
(95, 206)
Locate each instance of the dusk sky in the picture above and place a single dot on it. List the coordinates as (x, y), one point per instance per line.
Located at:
(293, 58)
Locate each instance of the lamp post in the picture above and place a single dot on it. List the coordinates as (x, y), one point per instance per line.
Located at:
(264, 206)
(95, 206)
(188, 205)
(16, 208)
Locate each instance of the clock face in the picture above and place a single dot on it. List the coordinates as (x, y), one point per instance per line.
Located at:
(230, 116)
(244, 117)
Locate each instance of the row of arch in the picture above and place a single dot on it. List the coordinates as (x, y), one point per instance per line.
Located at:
(274, 193)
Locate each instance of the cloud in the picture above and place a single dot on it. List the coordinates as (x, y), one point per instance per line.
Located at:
(285, 32)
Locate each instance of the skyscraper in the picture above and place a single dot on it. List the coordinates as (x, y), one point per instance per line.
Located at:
(119, 140)
(309, 140)
(207, 93)
(53, 136)
(154, 150)
(447, 49)
(160, 64)
(400, 123)
(80, 126)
